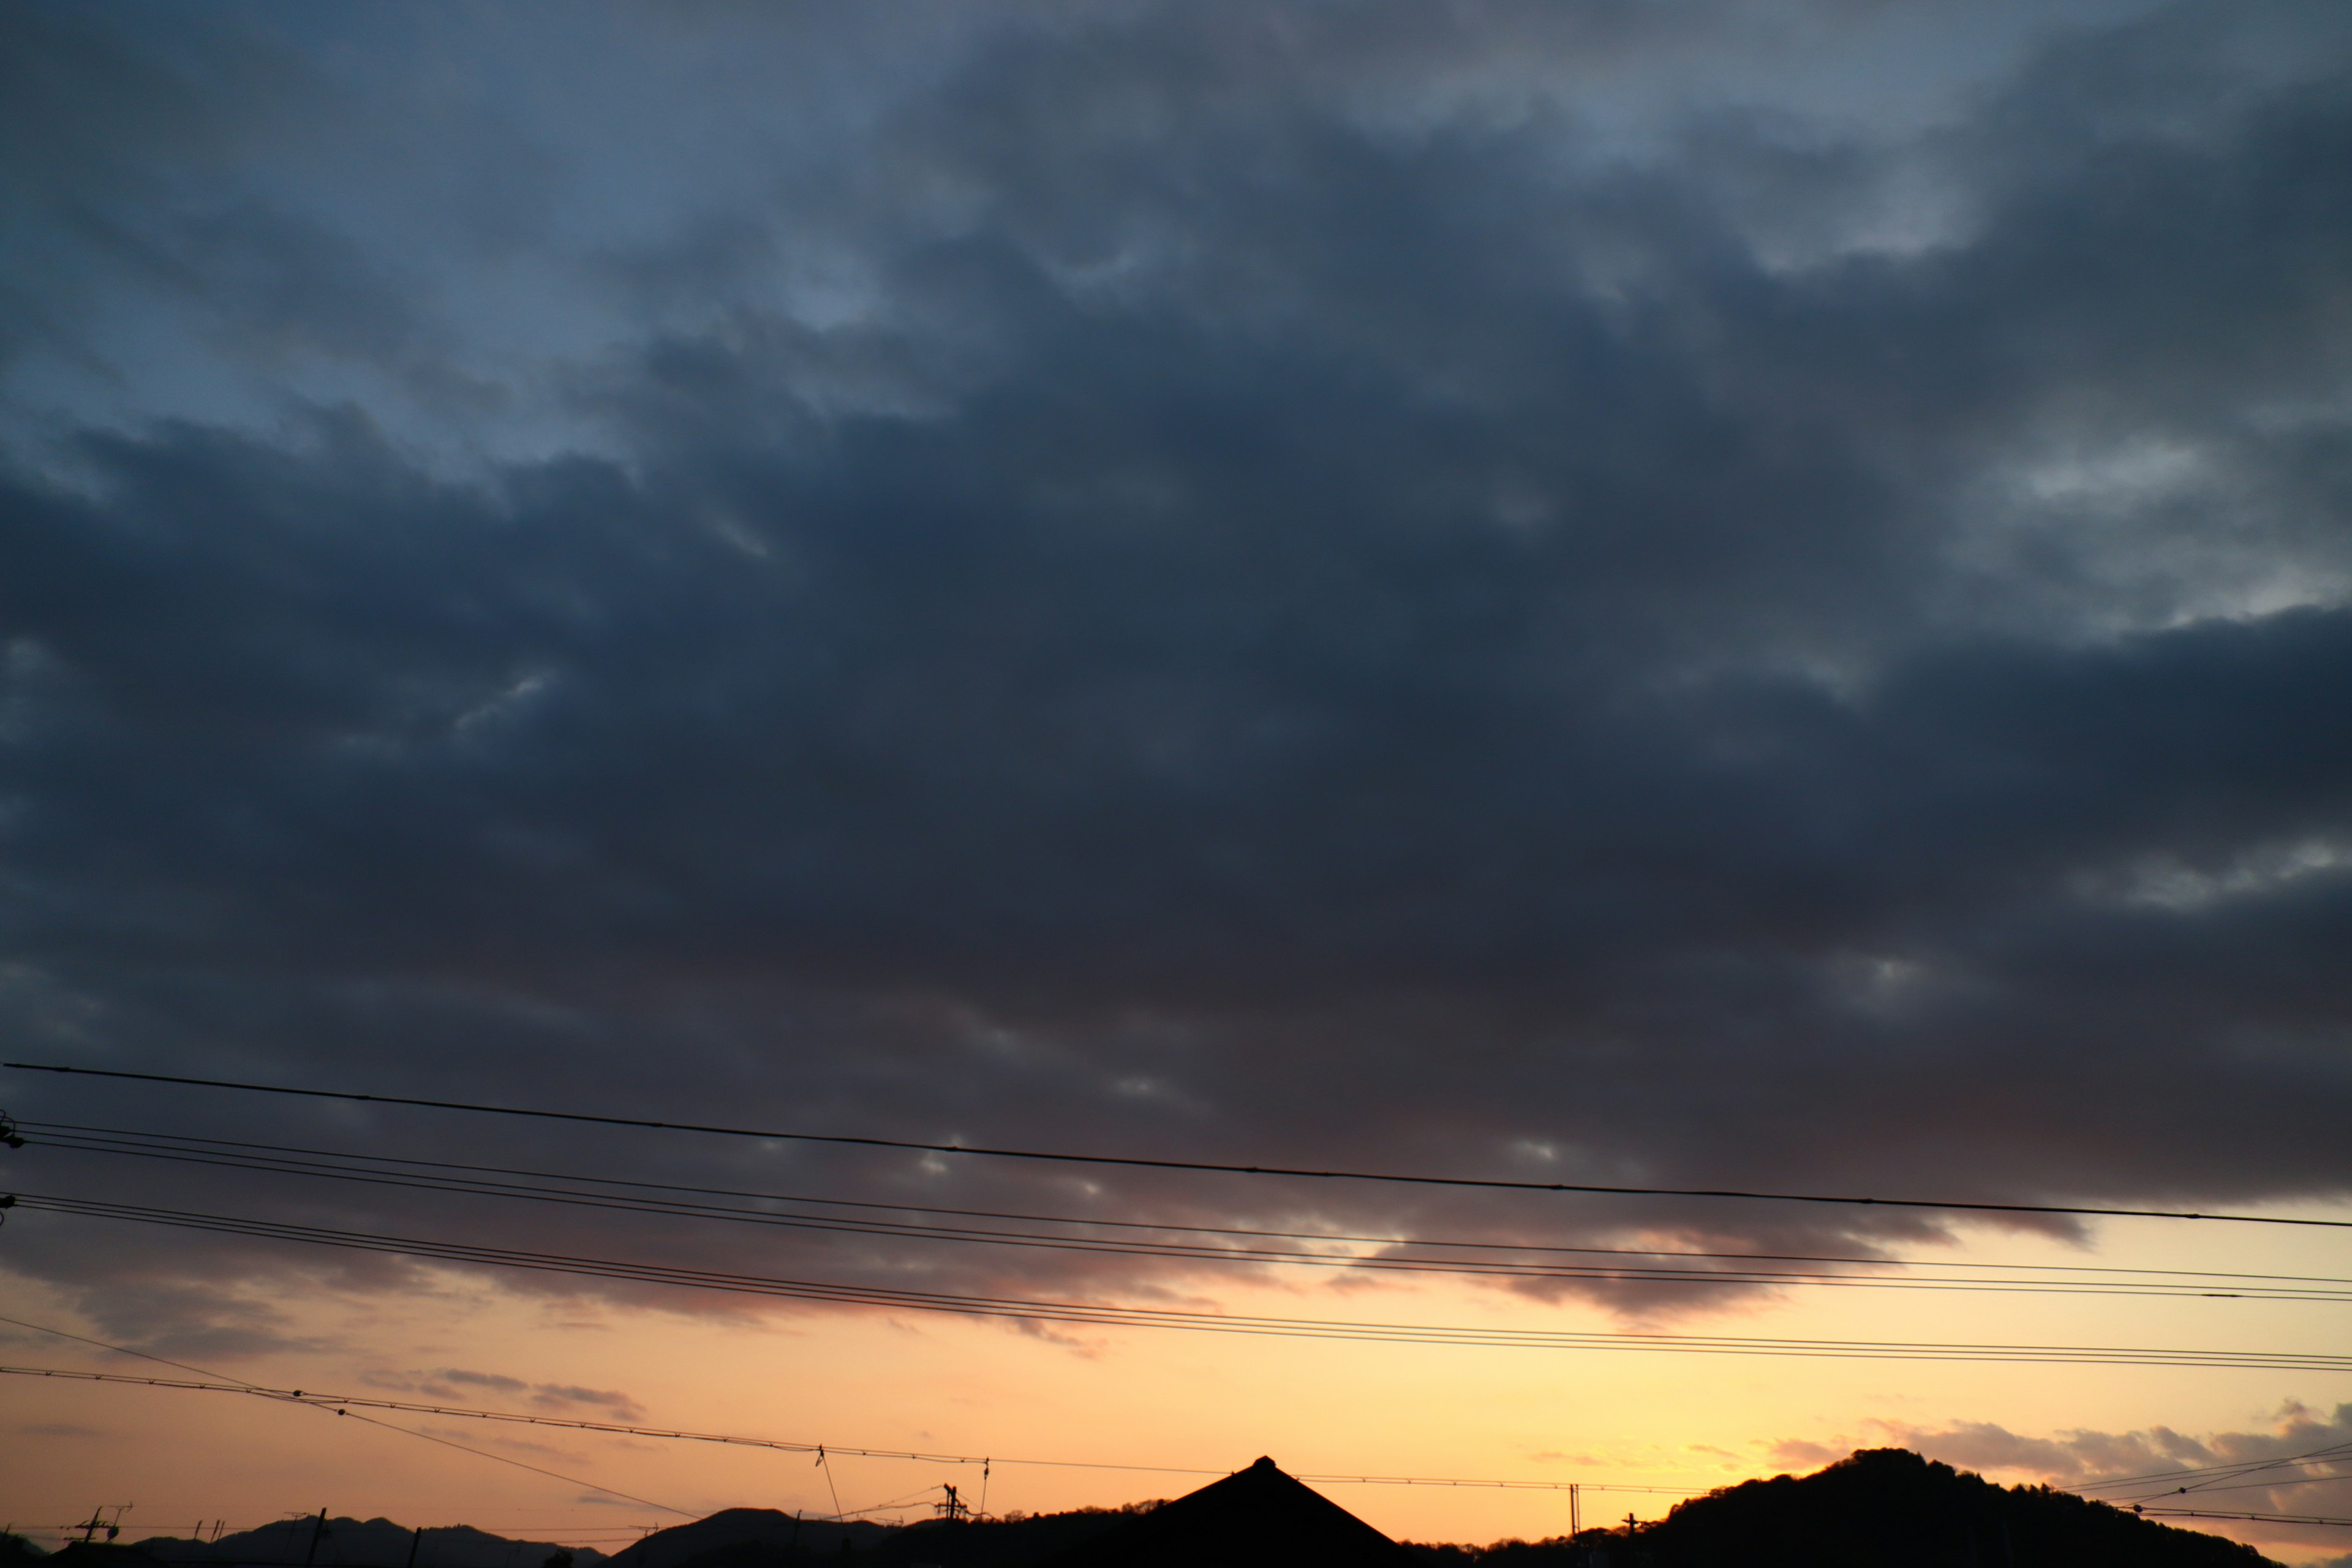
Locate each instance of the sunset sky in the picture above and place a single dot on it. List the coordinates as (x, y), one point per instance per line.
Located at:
(1654, 594)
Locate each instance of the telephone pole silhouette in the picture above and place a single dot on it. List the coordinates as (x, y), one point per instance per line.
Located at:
(94, 1523)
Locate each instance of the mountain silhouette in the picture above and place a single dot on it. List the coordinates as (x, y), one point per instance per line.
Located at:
(743, 1537)
(1256, 1518)
(1884, 1505)
(363, 1544)
(1879, 1507)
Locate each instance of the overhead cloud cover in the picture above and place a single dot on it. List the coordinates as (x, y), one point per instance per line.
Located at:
(1637, 593)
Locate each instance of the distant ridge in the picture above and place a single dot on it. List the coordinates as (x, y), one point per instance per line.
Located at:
(1256, 1518)
(363, 1544)
(746, 1535)
(1878, 1507)
(1884, 1505)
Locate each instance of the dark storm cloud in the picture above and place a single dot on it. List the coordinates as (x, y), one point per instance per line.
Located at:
(1266, 611)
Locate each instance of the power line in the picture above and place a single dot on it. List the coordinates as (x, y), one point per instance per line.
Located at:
(1201, 1165)
(2234, 1470)
(1140, 1317)
(240, 1384)
(2260, 1517)
(103, 1135)
(125, 1350)
(2238, 1474)
(2246, 1486)
(503, 1459)
(783, 1444)
(518, 1534)
(435, 1176)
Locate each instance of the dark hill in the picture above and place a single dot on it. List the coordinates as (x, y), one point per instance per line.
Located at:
(1887, 1506)
(1880, 1508)
(1256, 1517)
(746, 1538)
(98, 1554)
(754, 1538)
(359, 1544)
(977, 1543)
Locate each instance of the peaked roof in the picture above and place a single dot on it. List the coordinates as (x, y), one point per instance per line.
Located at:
(1257, 1516)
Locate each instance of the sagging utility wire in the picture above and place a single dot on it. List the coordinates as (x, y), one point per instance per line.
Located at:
(656, 1198)
(2256, 1518)
(2203, 1478)
(1138, 1161)
(826, 1451)
(1077, 1312)
(233, 1384)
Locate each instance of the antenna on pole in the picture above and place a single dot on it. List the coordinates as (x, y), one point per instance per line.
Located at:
(93, 1524)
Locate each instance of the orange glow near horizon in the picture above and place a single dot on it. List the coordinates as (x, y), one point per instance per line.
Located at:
(1143, 1397)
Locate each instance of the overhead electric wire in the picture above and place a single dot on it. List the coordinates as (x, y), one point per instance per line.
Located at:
(2242, 1487)
(125, 1140)
(2231, 1470)
(124, 1350)
(791, 1446)
(240, 1385)
(435, 1176)
(535, 1469)
(2236, 1478)
(2257, 1518)
(2249, 1475)
(894, 1502)
(1032, 1310)
(1138, 1161)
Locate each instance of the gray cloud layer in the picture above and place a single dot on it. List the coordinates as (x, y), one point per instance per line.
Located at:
(1299, 584)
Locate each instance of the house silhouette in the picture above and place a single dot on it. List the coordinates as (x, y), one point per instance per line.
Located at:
(1254, 1517)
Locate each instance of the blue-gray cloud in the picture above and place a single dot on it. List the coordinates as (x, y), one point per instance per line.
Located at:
(1204, 581)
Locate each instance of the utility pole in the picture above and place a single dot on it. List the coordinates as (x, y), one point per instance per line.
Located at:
(414, 1542)
(1575, 1511)
(94, 1523)
(318, 1528)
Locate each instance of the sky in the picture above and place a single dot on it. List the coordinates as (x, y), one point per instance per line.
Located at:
(1651, 592)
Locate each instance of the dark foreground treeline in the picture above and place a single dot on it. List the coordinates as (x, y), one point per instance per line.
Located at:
(1883, 1508)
